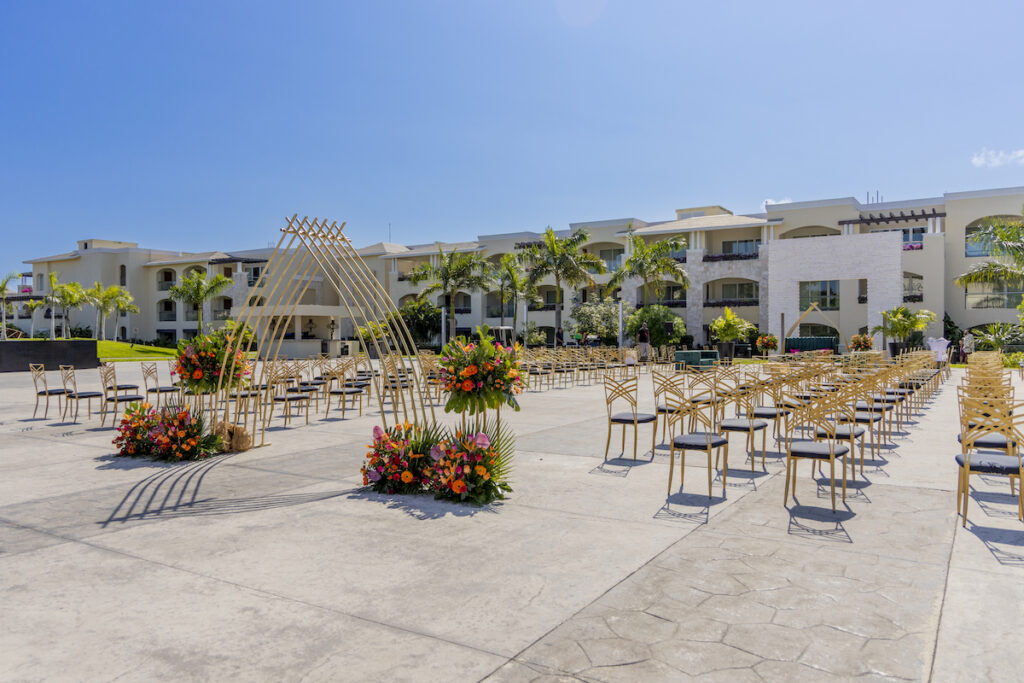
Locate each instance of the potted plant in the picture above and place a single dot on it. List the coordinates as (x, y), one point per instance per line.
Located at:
(900, 324)
(766, 343)
(861, 342)
(728, 329)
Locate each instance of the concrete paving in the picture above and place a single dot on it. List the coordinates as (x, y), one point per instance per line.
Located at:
(275, 565)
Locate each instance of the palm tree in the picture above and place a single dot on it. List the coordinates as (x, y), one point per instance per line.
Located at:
(68, 296)
(564, 259)
(196, 289)
(94, 296)
(33, 306)
(5, 282)
(51, 302)
(454, 271)
(123, 303)
(513, 285)
(1005, 240)
(650, 262)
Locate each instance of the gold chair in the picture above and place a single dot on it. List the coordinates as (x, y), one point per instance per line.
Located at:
(746, 423)
(39, 380)
(826, 445)
(702, 436)
(71, 392)
(626, 390)
(112, 395)
(149, 375)
(988, 425)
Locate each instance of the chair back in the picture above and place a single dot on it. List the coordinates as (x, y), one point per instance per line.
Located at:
(67, 378)
(108, 379)
(615, 390)
(38, 376)
(149, 374)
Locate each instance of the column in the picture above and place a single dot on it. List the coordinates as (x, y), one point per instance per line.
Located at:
(938, 224)
(931, 226)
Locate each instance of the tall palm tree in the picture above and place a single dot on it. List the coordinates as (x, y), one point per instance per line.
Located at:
(1005, 240)
(650, 262)
(51, 302)
(33, 306)
(454, 271)
(196, 289)
(564, 259)
(513, 285)
(68, 296)
(122, 303)
(5, 282)
(94, 296)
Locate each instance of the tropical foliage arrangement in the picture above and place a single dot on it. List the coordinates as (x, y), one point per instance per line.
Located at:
(767, 342)
(861, 342)
(471, 467)
(174, 433)
(480, 375)
(901, 323)
(729, 327)
(656, 316)
(200, 361)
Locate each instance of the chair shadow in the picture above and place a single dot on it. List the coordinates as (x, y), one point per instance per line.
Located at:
(994, 538)
(619, 466)
(987, 501)
(819, 523)
(699, 505)
(421, 506)
(856, 489)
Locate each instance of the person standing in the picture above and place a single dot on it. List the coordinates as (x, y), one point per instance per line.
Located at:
(559, 338)
(967, 345)
(643, 342)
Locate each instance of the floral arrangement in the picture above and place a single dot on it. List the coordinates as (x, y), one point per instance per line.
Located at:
(468, 469)
(861, 342)
(767, 342)
(200, 361)
(471, 467)
(172, 432)
(398, 460)
(480, 375)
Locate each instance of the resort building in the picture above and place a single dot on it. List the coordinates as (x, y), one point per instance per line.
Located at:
(853, 259)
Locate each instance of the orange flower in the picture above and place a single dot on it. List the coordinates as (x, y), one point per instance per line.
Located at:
(198, 374)
(481, 470)
(488, 366)
(469, 371)
(459, 486)
(467, 385)
(407, 476)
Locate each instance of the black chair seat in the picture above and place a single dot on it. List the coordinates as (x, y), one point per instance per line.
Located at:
(876, 407)
(122, 398)
(994, 440)
(843, 431)
(699, 441)
(84, 394)
(123, 387)
(291, 397)
(771, 412)
(742, 424)
(51, 392)
(162, 390)
(245, 394)
(356, 383)
(303, 389)
(627, 418)
(347, 391)
(319, 381)
(817, 449)
(904, 392)
(991, 464)
(886, 398)
(865, 417)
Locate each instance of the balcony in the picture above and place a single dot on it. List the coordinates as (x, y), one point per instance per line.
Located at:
(731, 303)
(404, 277)
(164, 285)
(495, 312)
(168, 316)
(463, 310)
(667, 303)
(709, 258)
(541, 307)
(221, 313)
(913, 298)
(824, 303)
(191, 315)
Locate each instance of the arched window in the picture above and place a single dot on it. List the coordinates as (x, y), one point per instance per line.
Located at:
(975, 247)
(124, 275)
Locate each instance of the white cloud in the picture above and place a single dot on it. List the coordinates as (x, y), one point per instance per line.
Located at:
(765, 203)
(992, 158)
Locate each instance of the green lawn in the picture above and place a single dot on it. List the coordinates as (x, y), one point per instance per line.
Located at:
(113, 350)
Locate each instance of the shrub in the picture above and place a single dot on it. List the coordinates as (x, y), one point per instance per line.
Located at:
(656, 316)
(532, 335)
(598, 318)
(422, 318)
(729, 327)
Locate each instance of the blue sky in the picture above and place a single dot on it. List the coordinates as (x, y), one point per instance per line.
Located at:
(200, 125)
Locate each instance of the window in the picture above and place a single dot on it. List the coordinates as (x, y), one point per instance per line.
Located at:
(975, 248)
(817, 330)
(999, 295)
(911, 235)
(612, 258)
(39, 282)
(227, 271)
(124, 275)
(740, 246)
(740, 290)
(550, 297)
(674, 293)
(825, 293)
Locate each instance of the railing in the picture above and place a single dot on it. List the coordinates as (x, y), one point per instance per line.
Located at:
(168, 316)
(912, 298)
(541, 307)
(403, 277)
(463, 310)
(164, 285)
(191, 315)
(729, 257)
(220, 314)
(668, 303)
(862, 298)
(995, 300)
(679, 259)
(495, 312)
(824, 304)
(732, 303)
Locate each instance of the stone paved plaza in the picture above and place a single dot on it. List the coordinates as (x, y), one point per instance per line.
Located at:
(275, 565)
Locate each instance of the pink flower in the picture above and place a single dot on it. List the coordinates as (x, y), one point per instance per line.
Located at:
(378, 433)
(436, 452)
(482, 440)
(372, 475)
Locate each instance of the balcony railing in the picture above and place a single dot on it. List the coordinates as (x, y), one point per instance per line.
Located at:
(862, 298)
(729, 257)
(495, 312)
(191, 315)
(668, 303)
(912, 298)
(168, 316)
(824, 304)
(164, 285)
(403, 277)
(995, 300)
(541, 307)
(463, 310)
(221, 313)
(732, 303)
